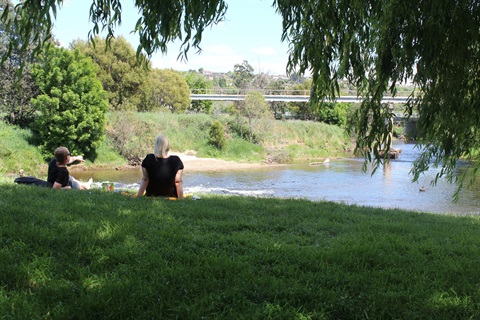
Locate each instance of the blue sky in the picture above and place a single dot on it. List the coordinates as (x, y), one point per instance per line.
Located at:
(252, 31)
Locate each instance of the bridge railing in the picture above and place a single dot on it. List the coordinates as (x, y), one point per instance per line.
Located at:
(272, 92)
(235, 91)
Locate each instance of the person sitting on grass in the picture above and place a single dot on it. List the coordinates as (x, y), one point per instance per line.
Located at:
(58, 174)
(161, 172)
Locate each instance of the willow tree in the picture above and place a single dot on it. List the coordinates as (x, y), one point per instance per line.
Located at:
(375, 45)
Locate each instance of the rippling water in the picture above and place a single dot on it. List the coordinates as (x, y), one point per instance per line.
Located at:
(340, 180)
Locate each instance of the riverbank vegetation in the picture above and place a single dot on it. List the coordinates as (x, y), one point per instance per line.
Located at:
(96, 255)
(130, 136)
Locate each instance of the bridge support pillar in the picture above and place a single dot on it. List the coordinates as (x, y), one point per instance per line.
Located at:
(411, 130)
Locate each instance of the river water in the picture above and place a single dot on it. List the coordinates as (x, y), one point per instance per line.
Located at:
(341, 180)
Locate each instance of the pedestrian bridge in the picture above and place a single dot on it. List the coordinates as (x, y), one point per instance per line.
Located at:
(276, 96)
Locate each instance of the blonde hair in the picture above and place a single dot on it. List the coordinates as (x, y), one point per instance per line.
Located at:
(161, 146)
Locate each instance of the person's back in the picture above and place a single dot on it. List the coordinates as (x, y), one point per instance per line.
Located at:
(161, 173)
(58, 174)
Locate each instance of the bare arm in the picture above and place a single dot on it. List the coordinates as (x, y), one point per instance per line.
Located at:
(76, 158)
(143, 183)
(57, 185)
(179, 184)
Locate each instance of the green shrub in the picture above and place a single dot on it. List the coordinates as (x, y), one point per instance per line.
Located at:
(216, 135)
(129, 136)
(333, 113)
(71, 104)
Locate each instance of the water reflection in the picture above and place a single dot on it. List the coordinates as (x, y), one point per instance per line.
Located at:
(341, 181)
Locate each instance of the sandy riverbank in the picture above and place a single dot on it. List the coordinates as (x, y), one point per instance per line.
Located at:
(195, 164)
(192, 164)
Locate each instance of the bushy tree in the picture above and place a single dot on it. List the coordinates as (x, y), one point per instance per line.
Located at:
(201, 84)
(243, 75)
(277, 87)
(166, 89)
(216, 135)
(71, 104)
(333, 113)
(253, 109)
(302, 110)
(121, 75)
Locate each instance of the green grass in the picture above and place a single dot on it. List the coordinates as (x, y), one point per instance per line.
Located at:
(282, 141)
(16, 153)
(68, 254)
(188, 132)
(106, 155)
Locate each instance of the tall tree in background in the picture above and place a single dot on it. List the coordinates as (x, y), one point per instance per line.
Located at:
(121, 75)
(243, 75)
(254, 108)
(15, 92)
(302, 110)
(200, 83)
(375, 45)
(277, 87)
(71, 104)
(165, 89)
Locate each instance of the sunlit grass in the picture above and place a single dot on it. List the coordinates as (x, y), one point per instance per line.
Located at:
(67, 254)
(16, 153)
(281, 141)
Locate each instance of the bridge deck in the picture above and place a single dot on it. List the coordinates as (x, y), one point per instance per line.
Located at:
(288, 98)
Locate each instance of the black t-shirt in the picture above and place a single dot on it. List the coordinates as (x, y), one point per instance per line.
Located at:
(161, 175)
(57, 174)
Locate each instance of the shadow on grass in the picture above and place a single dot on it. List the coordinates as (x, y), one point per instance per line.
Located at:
(70, 254)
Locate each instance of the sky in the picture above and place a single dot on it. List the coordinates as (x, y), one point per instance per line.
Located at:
(251, 31)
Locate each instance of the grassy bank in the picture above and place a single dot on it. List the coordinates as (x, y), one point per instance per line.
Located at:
(94, 255)
(131, 135)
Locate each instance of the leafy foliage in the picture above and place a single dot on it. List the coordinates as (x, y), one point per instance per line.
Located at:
(15, 92)
(160, 22)
(216, 135)
(165, 89)
(200, 84)
(333, 113)
(243, 75)
(118, 70)
(127, 134)
(252, 110)
(71, 104)
(378, 44)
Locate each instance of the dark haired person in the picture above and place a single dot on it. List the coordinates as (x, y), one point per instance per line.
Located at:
(161, 172)
(58, 174)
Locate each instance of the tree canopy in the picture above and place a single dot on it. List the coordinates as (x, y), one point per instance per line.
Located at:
(71, 103)
(118, 70)
(165, 89)
(375, 45)
(201, 84)
(15, 93)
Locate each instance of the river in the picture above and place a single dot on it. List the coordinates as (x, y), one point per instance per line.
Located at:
(341, 180)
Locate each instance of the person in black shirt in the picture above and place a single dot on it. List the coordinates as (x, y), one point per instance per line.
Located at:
(161, 172)
(58, 174)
